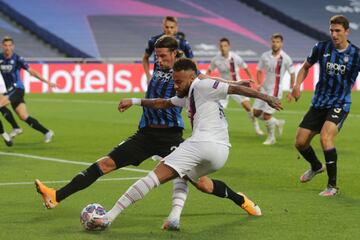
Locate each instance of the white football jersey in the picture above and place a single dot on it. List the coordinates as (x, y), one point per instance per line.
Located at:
(2, 85)
(205, 112)
(228, 67)
(275, 68)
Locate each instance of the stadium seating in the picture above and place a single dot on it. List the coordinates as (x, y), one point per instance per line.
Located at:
(106, 28)
(26, 44)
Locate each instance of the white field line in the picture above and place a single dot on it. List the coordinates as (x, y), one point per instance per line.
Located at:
(62, 100)
(50, 159)
(66, 181)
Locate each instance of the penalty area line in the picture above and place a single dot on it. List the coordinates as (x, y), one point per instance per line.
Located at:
(66, 181)
(65, 161)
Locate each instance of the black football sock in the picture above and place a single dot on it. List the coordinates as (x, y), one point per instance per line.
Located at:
(9, 117)
(310, 156)
(79, 182)
(223, 191)
(1, 128)
(36, 125)
(331, 166)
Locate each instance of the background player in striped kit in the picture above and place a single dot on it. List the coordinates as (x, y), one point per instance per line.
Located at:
(339, 63)
(276, 63)
(170, 28)
(229, 63)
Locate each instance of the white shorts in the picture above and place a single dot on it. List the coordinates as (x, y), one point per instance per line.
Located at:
(263, 106)
(197, 159)
(2, 85)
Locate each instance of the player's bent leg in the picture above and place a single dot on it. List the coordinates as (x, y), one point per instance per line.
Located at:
(82, 180)
(161, 174)
(220, 189)
(23, 114)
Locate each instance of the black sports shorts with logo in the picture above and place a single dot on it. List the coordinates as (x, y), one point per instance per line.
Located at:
(314, 119)
(16, 96)
(145, 143)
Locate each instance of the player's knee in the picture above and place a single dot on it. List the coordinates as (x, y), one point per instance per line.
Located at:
(106, 164)
(300, 144)
(23, 116)
(326, 141)
(257, 113)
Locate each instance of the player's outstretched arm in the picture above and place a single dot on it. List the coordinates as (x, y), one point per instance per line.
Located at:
(155, 103)
(38, 76)
(249, 92)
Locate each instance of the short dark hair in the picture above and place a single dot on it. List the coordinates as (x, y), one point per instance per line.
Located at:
(184, 64)
(340, 19)
(167, 42)
(170, 19)
(277, 35)
(224, 40)
(7, 39)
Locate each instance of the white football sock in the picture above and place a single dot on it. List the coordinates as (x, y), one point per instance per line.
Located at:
(270, 127)
(180, 192)
(136, 192)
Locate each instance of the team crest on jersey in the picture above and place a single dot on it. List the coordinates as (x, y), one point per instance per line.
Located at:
(12, 61)
(346, 59)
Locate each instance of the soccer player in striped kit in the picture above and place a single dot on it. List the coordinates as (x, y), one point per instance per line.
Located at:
(228, 64)
(276, 63)
(339, 63)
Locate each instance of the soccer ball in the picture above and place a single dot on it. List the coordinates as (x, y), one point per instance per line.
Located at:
(90, 212)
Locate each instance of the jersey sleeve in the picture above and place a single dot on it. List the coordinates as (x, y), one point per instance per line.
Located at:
(150, 46)
(241, 63)
(22, 63)
(314, 55)
(180, 102)
(261, 63)
(212, 89)
(185, 47)
(290, 66)
(212, 65)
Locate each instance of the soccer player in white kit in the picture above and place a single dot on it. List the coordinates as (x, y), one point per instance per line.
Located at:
(228, 64)
(206, 151)
(275, 62)
(3, 134)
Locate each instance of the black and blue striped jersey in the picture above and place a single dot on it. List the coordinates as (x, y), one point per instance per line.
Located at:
(183, 46)
(161, 85)
(338, 73)
(10, 70)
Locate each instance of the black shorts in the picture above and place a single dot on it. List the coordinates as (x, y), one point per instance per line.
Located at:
(314, 119)
(16, 97)
(145, 143)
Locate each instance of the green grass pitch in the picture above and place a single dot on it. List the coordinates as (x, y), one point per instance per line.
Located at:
(88, 126)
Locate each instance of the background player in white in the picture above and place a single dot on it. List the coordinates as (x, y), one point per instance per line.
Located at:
(206, 150)
(3, 134)
(228, 64)
(275, 62)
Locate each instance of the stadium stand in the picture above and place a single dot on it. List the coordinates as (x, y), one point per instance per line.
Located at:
(119, 29)
(27, 45)
(321, 11)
